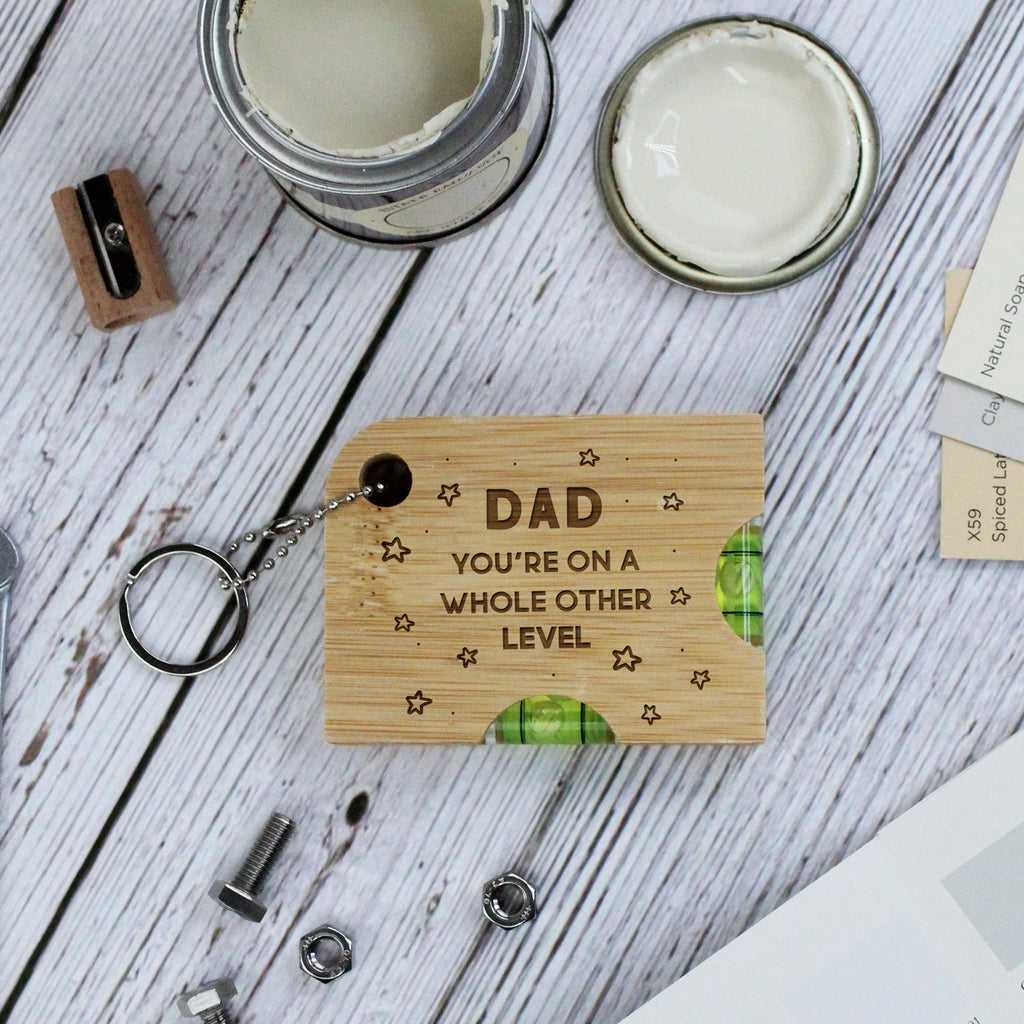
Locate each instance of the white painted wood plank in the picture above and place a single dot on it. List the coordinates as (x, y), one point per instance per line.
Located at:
(517, 331)
(548, 10)
(30, 28)
(833, 671)
(191, 422)
(647, 859)
(412, 906)
(24, 28)
(240, 379)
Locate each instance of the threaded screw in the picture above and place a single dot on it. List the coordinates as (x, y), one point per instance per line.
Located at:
(239, 895)
(209, 1002)
(222, 1016)
(264, 853)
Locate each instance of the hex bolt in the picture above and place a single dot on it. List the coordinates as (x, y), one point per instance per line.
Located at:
(209, 1002)
(239, 895)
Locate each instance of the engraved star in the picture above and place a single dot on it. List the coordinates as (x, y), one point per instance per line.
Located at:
(673, 503)
(626, 659)
(588, 458)
(394, 550)
(700, 678)
(680, 596)
(403, 622)
(449, 492)
(650, 715)
(417, 702)
(467, 657)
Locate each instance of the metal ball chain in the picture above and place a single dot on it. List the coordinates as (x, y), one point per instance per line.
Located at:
(288, 529)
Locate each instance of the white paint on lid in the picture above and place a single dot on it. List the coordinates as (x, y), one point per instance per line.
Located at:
(736, 148)
(361, 79)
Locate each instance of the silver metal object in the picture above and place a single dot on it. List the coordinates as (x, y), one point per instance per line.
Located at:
(115, 234)
(509, 901)
(238, 593)
(325, 953)
(239, 895)
(114, 254)
(10, 566)
(821, 251)
(288, 529)
(416, 197)
(209, 1002)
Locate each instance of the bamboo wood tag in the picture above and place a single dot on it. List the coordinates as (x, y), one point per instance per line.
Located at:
(568, 556)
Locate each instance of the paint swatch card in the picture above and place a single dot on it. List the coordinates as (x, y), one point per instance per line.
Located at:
(982, 504)
(969, 413)
(923, 925)
(980, 418)
(982, 493)
(986, 344)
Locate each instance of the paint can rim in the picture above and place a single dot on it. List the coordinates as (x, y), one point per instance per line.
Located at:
(429, 241)
(821, 251)
(309, 168)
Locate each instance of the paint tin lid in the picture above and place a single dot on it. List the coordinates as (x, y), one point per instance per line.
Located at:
(737, 154)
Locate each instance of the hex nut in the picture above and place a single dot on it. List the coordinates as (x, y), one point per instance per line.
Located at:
(509, 901)
(230, 897)
(325, 953)
(210, 996)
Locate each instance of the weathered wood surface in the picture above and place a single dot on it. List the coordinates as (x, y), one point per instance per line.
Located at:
(123, 794)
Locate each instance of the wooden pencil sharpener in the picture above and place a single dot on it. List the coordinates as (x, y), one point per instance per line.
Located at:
(114, 250)
(569, 579)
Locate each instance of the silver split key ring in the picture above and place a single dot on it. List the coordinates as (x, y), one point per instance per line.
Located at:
(385, 480)
(235, 583)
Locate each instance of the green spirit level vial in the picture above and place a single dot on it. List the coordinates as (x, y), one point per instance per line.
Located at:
(739, 588)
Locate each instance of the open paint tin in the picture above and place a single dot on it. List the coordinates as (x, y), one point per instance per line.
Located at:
(737, 154)
(400, 124)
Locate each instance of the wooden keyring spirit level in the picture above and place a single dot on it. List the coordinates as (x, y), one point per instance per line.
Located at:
(532, 580)
(572, 579)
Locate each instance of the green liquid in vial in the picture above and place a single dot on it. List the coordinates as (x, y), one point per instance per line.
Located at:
(739, 588)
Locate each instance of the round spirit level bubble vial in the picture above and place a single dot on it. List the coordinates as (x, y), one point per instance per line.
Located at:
(396, 123)
(737, 154)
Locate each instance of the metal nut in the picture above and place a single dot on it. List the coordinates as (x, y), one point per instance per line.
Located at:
(325, 953)
(509, 901)
(209, 1001)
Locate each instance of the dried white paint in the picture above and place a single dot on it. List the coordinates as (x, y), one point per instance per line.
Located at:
(736, 148)
(363, 79)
